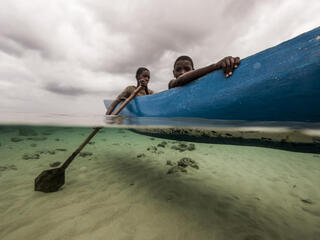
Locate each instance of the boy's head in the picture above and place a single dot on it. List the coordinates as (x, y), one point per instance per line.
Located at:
(182, 65)
(140, 70)
(142, 76)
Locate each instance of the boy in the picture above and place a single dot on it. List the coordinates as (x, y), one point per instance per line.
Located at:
(184, 72)
(143, 77)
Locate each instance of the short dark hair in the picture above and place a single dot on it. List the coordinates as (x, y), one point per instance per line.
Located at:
(187, 58)
(140, 70)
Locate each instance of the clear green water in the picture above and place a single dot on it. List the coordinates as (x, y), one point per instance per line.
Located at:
(126, 185)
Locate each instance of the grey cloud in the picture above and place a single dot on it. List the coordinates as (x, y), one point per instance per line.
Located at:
(27, 42)
(157, 29)
(58, 88)
(65, 89)
(10, 47)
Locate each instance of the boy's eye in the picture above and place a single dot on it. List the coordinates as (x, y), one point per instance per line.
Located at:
(187, 69)
(178, 69)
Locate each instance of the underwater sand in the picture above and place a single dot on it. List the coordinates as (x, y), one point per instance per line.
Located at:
(118, 189)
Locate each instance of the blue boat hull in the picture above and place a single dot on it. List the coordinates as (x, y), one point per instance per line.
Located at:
(279, 84)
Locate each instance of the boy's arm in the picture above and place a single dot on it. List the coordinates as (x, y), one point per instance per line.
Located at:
(123, 95)
(192, 75)
(112, 106)
(227, 64)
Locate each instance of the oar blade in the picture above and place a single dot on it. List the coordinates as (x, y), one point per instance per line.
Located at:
(50, 180)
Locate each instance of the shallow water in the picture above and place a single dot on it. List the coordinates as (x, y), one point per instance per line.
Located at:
(126, 185)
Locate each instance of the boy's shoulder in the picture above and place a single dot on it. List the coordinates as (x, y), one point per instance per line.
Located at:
(130, 88)
(126, 92)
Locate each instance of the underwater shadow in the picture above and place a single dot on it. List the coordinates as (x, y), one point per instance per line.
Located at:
(213, 207)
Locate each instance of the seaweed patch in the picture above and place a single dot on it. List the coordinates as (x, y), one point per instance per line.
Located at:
(31, 156)
(163, 144)
(37, 138)
(61, 149)
(55, 164)
(185, 162)
(176, 169)
(8, 167)
(184, 147)
(85, 154)
(14, 139)
(181, 165)
(27, 132)
(152, 149)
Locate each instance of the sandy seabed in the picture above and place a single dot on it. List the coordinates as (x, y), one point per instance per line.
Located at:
(119, 188)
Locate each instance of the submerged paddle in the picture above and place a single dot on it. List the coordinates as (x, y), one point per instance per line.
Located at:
(51, 180)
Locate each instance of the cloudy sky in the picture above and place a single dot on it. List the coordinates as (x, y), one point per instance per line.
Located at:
(62, 56)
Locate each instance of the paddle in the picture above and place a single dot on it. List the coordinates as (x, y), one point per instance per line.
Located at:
(51, 180)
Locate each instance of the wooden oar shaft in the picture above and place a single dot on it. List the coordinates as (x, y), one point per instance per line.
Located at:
(127, 100)
(76, 152)
(93, 133)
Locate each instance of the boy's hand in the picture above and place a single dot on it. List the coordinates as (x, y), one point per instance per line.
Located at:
(228, 64)
(143, 82)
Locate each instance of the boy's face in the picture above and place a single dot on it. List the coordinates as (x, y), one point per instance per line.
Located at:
(181, 67)
(143, 78)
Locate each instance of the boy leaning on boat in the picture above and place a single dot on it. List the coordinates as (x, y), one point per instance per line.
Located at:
(183, 71)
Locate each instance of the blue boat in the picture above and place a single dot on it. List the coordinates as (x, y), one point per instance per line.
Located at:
(281, 83)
